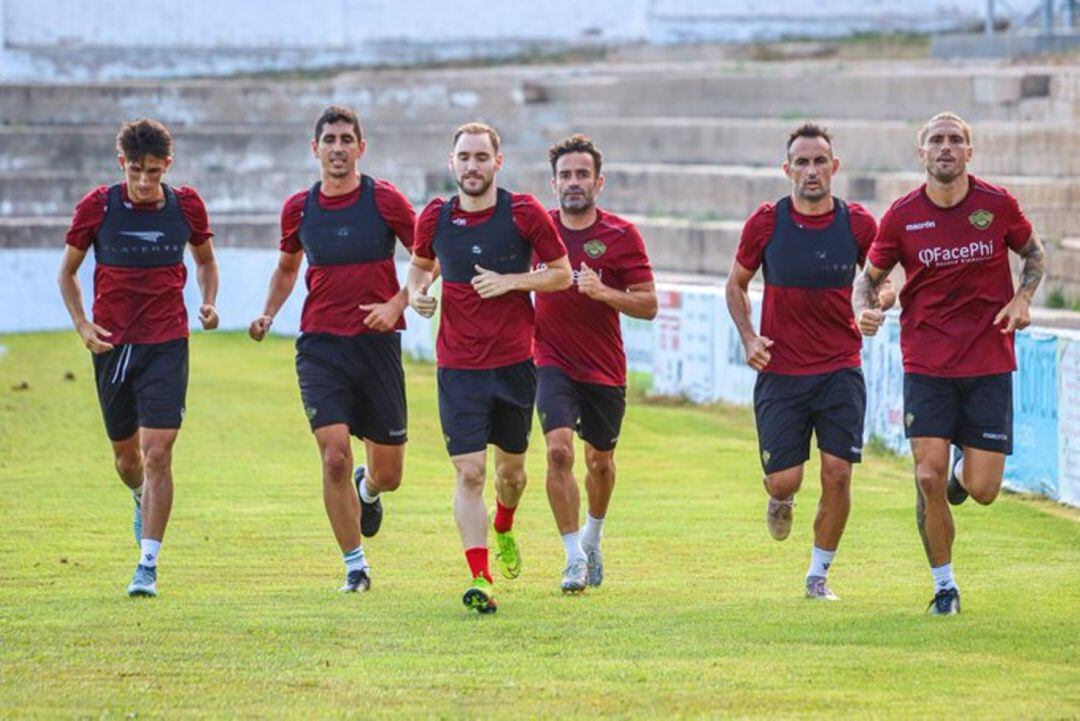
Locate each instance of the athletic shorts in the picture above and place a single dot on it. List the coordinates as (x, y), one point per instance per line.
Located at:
(595, 411)
(142, 385)
(356, 380)
(788, 407)
(975, 411)
(478, 407)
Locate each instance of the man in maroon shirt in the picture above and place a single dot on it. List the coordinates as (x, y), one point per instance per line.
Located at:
(807, 355)
(952, 236)
(139, 336)
(484, 239)
(579, 352)
(348, 355)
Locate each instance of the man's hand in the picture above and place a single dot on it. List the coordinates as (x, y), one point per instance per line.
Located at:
(208, 317)
(489, 284)
(381, 317)
(589, 283)
(259, 327)
(870, 319)
(92, 337)
(1016, 314)
(886, 294)
(757, 352)
(423, 303)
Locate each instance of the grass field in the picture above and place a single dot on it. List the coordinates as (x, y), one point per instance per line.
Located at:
(701, 613)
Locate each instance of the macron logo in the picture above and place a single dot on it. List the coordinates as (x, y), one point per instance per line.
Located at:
(150, 236)
(924, 225)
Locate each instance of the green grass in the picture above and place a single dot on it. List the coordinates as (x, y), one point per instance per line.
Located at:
(701, 613)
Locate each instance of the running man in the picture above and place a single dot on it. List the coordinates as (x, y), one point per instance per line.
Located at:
(808, 353)
(580, 355)
(484, 239)
(348, 355)
(952, 236)
(139, 335)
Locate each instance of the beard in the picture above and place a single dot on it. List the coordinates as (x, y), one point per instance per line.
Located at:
(574, 204)
(477, 191)
(812, 194)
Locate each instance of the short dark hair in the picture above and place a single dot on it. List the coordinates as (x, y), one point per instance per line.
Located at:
(140, 138)
(576, 143)
(808, 130)
(338, 114)
(477, 129)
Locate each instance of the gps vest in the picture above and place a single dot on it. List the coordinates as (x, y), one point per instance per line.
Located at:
(803, 258)
(130, 238)
(495, 244)
(356, 234)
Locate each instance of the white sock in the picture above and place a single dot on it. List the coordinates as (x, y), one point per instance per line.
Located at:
(365, 494)
(149, 552)
(590, 536)
(572, 543)
(958, 471)
(354, 559)
(137, 493)
(820, 560)
(943, 578)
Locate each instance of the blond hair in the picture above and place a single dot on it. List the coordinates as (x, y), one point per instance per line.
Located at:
(945, 115)
(477, 129)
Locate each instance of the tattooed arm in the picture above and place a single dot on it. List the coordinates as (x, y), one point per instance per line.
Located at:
(1016, 315)
(866, 298)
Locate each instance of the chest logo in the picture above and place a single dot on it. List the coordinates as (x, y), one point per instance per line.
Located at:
(981, 219)
(476, 250)
(343, 231)
(594, 248)
(150, 236)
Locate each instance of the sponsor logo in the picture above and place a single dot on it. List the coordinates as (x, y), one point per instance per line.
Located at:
(459, 221)
(765, 457)
(921, 225)
(594, 248)
(995, 436)
(182, 411)
(977, 250)
(981, 219)
(614, 440)
(909, 418)
(150, 236)
(857, 450)
(310, 411)
(397, 433)
(343, 231)
(477, 250)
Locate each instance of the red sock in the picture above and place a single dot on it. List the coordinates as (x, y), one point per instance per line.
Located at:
(504, 517)
(478, 561)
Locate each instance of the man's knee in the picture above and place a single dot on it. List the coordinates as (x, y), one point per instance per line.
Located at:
(931, 479)
(835, 477)
(984, 493)
(601, 465)
(337, 462)
(129, 463)
(560, 456)
(512, 474)
(470, 477)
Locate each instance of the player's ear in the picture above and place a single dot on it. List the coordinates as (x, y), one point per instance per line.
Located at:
(361, 147)
(498, 161)
(121, 161)
(599, 183)
(835, 164)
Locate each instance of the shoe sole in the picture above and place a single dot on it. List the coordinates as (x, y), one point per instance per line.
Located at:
(141, 592)
(478, 601)
(573, 590)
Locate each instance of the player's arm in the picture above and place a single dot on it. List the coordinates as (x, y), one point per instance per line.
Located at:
(1017, 312)
(206, 276)
(555, 275)
(93, 336)
(737, 293)
(282, 282)
(867, 298)
(637, 301)
(422, 273)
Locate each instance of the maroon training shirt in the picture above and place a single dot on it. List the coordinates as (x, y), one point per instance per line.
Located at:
(813, 329)
(957, 265)
(576, 333)
(138, 305)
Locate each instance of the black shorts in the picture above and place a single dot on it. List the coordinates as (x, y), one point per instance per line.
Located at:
(789, 407)
(478, 407)
(975, 411)
(595, 411)
(142, 385)
(356, 380)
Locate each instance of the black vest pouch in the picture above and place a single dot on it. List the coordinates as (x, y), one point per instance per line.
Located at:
(356, 234)
(495, 244)
(130, 238)
(803, 258)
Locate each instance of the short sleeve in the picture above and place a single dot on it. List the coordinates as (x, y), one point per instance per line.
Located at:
(89, 215)
(864, 227)
(756, 232)
(1018, 231)
(396, 210)
(884, 253)
(535, 223)
(635, 267)
(292, 213)
(194, 210)
(424, 236)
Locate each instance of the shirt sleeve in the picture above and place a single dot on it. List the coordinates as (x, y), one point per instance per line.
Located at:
(884, 252)
(636, 267)
(424, 235)
(397, 211)
(535, 224)
(1018, 231)
(194, 210)
(756, 232)
(864, 227)
(292, 213)
(89, 215)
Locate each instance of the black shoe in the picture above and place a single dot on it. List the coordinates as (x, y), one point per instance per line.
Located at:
(370, 513)
(356, 581)
(945, 603)
(954, 491)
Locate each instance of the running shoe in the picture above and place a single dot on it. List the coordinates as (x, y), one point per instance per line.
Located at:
(370, 513)
(575, 577)
(480, 596)
(778, 517)
(143, 582)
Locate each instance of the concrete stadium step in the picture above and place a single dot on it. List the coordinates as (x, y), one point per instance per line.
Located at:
(1003, 148)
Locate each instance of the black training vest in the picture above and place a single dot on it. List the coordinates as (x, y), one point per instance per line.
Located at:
(131, 238)
(356, 234)
(803, 258)
(494, 245)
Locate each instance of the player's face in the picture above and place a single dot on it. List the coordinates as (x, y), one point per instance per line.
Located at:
(811, 166)
(576, 183)
(946, 151)
(338, 149)
(144, 176)
(474, 163)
